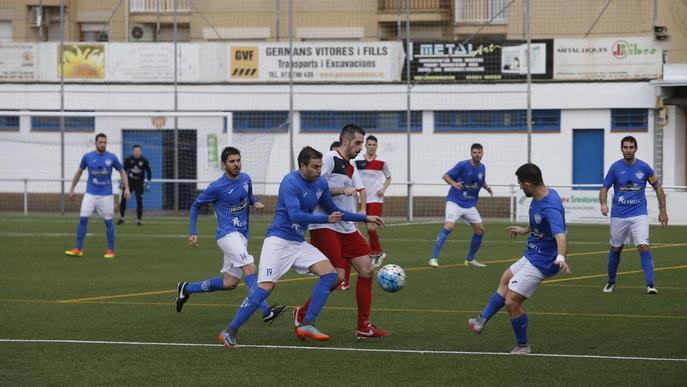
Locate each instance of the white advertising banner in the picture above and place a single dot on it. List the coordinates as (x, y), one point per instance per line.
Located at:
(607, 58)
(316, 62)
(152, 62)
(17, 62)
(583, 206)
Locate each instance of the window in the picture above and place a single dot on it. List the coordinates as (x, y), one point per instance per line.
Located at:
(93, 32)
(372, 122)
(254, 121)
(629, 120)
(9, 123)
(71, 124)
(496, 121)
(6, 32)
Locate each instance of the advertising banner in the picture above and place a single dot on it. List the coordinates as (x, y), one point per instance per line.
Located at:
(17, 62)
(316, 62)
(152, 62)
(479, 61)
(82, 61)
(607, 58)
(583, 206)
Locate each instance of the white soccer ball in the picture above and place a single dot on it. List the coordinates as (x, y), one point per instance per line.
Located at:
(391, 278)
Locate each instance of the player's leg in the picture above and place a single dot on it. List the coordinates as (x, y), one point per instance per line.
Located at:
(620, 231)
(87, 207)
(346, 283)
(473, 218)
(104, 205)
(497, 300)
(640, 235)
(328, 243)
(138, 191)
(250, 276)
(122, 207)
(378, 256)
(452, 214)
(519, 321)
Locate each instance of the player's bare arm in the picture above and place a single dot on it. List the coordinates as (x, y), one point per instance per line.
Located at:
(662, 211)
(125, 179)
(451, 182)
(387, 182)
(603, 200)
(376, 220)
(363, 201)
(487, 188)
(75, 181)
(562, 243)
(514, 231)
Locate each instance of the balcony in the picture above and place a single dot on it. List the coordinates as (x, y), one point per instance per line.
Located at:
(480, 11)
(420, 10)
(162, 6)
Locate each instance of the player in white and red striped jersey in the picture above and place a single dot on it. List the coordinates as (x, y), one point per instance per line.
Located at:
(376, 178)
(342, 242)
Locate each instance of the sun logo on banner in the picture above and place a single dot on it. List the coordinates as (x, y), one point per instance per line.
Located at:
(82, 61)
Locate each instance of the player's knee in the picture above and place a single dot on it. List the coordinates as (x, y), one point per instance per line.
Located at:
(643, 248)
(365, 272)
(449, 226)
(268, 286)
(371, 227)
(513, 307)
(616, 249)
(480, 230)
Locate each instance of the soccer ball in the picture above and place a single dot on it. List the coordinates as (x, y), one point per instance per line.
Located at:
(391, 278)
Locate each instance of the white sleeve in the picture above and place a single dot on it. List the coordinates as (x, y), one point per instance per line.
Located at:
(357, 180)
(327, 165)
(385, 169)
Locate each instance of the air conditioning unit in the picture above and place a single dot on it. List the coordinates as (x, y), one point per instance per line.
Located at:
(36, 16)
(141, 33)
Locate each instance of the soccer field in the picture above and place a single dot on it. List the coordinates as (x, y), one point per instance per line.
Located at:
(89, 320)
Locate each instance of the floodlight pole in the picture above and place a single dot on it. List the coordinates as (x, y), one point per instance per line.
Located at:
(176, 108)
(61, 50)
(529, 80)
(291, 152)
(408, 112)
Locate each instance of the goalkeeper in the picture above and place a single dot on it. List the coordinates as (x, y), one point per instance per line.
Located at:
(136, 166)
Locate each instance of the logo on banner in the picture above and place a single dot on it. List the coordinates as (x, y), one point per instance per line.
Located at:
(244, 62)
(622, 49)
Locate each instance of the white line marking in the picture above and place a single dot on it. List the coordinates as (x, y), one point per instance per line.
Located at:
(339, 349)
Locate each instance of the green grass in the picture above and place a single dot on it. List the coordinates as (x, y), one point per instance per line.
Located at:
(45, 295)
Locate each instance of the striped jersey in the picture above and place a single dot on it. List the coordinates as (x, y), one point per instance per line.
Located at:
(373, 173)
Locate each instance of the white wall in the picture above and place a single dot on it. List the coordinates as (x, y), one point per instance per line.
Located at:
(266, 156)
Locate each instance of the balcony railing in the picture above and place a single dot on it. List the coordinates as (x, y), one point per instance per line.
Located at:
(480, 11)
(162, 6)
(415, 5)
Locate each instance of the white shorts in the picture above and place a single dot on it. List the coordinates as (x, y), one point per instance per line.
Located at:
(526, 278)
(623, 228)
(455, 212)
(234, 246)
(103, 204)
(279, 255)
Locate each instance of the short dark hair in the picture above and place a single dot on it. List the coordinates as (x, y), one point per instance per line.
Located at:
(349, 131)
(628, 139)
(229, 151)
(371, 138)
(335, 144)
(476, 146)
(97, 136)
(308, 153)
(530, 173)
(136, 146)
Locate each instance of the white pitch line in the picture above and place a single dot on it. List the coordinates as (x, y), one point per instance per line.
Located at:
(340, 349)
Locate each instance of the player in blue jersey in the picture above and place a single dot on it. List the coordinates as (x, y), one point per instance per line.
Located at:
(285, 246)
(231, 197)
(98, 196)
(544, 256)
(629, 216)
(466, 179)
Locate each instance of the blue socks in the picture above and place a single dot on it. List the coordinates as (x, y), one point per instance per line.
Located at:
(319, 297)
(209, 285)
(520, 328)
(441, 239)
(252, 283)
(474, 246)
(248, 307)
(613, 262)
(110, 231)
(495, 304)
(647, 261)
(81, 232)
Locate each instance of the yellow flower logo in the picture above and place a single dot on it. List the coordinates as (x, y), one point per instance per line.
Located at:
(83, 61)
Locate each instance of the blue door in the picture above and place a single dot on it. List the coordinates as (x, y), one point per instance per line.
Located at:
(151, 144)
(588, 156)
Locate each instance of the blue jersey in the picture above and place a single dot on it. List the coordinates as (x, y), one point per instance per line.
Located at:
(629, 184)
(230, 199)
(472, 177)
(547, 218)
(295, 205)
(99, 166)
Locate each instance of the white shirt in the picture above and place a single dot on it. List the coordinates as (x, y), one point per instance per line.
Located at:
(373, 173)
